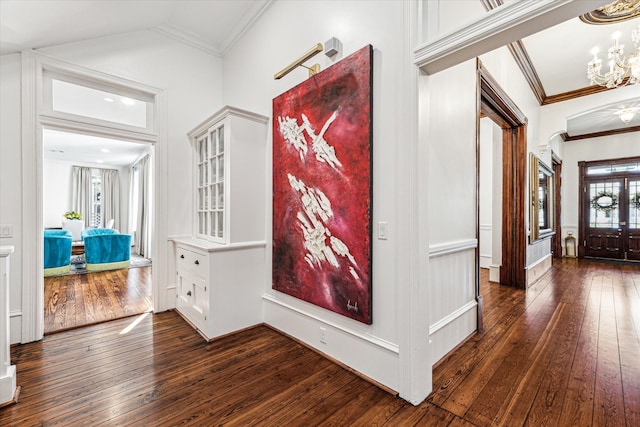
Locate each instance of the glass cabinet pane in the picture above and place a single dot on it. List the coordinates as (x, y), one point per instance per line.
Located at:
(220, 224)
(221, 139)
(201, 222)
(220, 196)
(210, 179)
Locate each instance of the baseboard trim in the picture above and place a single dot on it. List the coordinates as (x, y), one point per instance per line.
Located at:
(394, 348)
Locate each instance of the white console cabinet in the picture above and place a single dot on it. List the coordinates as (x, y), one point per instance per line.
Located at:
(219, 287)
(220, 269)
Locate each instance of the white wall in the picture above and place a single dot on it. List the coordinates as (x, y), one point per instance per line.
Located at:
(451, 200)
(192, 81)
(486, 192)
(56, 191)
(10, 177)
(282, 34)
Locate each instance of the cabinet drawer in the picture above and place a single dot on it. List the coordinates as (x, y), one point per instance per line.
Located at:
(188, 261)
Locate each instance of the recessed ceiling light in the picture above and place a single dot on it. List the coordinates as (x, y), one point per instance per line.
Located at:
(105, 150)
(109, 99)
(127, 101)
(626, 115)
(99, 161)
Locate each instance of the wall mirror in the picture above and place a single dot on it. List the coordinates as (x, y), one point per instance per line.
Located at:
(541, 189)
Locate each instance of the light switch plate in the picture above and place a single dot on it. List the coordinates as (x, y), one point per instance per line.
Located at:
(6, 231)
(383, 230)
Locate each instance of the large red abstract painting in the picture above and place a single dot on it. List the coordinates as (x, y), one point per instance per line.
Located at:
(322, 182)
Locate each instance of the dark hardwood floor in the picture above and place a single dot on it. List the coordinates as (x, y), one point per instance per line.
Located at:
(564, 353)
(77, 300)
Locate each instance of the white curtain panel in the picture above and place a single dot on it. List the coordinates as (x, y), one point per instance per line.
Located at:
(82, 192)
(143, 220)
(110, 197)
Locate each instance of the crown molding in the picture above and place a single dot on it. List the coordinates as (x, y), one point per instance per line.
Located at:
(187, 37)
(523, 60)
(248, 19)
(566, 137)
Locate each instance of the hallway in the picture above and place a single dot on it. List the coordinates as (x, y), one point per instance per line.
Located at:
(565, 352)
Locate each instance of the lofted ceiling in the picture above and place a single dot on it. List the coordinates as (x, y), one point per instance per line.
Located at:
(556, 58)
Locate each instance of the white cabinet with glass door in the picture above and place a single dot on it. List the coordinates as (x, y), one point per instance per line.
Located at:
(229, 150)
(219, 270)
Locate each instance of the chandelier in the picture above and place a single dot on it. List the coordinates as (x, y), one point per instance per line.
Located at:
(620, 67)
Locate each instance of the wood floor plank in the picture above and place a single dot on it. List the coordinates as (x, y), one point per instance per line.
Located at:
(521, 336)
(577, 407)
(564, 352)
(608, 403)
(81, 299)
(627, 303)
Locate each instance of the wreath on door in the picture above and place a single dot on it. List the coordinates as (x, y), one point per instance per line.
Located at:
(635, 200)
(605, 201)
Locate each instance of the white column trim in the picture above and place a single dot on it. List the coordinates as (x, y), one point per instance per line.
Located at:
(415, 364)
(32, 228)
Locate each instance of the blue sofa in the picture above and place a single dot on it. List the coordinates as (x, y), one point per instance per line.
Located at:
(57, 252)
(106, 249)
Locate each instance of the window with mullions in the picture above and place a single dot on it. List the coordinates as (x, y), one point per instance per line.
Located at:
(95, 219)
(613, 168)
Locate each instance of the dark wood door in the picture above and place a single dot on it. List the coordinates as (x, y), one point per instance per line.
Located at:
(612, 218)
(633, 218)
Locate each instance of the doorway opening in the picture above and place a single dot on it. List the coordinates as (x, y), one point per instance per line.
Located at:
(609, 209)
(45, 106)
(99, 179)
(494, 103)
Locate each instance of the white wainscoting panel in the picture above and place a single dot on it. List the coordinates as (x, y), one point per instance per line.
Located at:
(538, 269)
(453, 314)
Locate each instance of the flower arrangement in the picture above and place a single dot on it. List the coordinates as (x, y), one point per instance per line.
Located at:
(72, 215)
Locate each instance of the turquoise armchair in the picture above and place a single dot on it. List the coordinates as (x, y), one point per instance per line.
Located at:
(57, 252)
(106, 249)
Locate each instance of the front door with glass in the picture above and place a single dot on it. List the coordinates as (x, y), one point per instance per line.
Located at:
(611, 210)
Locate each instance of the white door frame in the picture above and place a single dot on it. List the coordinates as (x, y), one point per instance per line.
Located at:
(33, 122)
